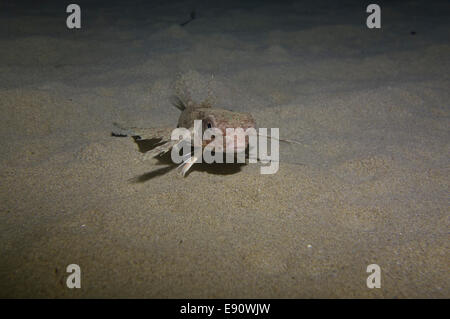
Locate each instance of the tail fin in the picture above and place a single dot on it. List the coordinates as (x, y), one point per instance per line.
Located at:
(120, 131)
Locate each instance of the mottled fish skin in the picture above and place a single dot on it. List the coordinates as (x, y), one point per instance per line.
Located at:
(219, 118)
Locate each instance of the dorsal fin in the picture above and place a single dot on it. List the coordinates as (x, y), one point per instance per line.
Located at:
(178, 103)
(182, 105)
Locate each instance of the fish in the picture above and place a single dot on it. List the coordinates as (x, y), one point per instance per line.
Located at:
(212, 118)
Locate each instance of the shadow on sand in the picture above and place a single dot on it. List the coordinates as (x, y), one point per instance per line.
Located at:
(165, 159)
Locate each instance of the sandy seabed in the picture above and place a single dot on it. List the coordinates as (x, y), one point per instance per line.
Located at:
(370, 184)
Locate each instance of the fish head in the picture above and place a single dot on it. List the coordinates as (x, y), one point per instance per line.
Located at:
(234, 127)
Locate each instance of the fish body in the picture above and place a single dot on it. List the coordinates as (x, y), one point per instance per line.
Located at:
(212, 118)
